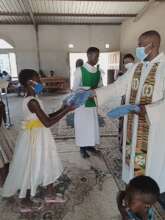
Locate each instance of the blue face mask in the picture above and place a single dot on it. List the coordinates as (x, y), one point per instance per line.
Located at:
(140, 53)
(38, 88)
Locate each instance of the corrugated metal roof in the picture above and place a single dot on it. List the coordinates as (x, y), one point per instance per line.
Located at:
(93, 7)
(12, 6)
(68, 11)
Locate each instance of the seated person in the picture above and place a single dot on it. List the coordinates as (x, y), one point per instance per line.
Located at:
(52, 73)
(135, 203)
(20, 90)
(41, 73)
(6, 76)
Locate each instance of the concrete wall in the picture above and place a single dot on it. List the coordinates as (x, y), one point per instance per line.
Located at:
(153, 19)
(24, 41)
(53, 43)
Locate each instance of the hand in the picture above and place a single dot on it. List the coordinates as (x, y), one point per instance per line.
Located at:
(70, 108)
(142, 110)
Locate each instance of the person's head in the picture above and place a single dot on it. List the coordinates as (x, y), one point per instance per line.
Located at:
(29, 78)
(93, 55)
(52, 72)
(4, 73)
(128, 61)
(128, 58)
(148, 45)
(79, 63)
(141, 193)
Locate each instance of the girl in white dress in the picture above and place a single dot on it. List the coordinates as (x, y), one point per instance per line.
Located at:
(35, 161)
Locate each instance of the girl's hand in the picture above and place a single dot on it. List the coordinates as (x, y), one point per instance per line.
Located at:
(70, 108)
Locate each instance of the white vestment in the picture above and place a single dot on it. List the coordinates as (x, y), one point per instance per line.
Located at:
(155, 163)
(86, 118)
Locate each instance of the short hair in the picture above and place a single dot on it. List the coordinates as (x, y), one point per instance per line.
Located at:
(129, 55)
(25, 75)
(151, 33)
(79, 62)
(93, 50)
(144, 185)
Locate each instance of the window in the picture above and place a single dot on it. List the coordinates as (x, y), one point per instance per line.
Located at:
(8, 59)
(5, 45)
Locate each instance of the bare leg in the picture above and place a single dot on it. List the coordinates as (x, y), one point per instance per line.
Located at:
(51, 198)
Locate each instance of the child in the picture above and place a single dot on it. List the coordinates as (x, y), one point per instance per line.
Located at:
(6, 145)
(35, 161)
(136, 201)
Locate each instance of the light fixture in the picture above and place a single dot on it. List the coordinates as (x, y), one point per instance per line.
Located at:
(70, 45)
(107, 46)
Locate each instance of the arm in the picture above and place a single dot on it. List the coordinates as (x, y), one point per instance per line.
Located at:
(57, 112)
(121, 207)
(48, 121)
(118, 88)
(77, 79)
(101, 83)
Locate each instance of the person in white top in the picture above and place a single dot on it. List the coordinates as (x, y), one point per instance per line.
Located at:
(144, 84)
(86, 118)
(128, 62)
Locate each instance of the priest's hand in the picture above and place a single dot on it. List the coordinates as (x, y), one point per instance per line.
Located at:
(142, 110)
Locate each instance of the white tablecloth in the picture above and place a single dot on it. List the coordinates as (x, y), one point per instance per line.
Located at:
(3, 84)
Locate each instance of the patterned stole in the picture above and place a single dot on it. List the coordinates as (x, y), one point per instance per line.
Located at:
(133, 94)
(143, 126)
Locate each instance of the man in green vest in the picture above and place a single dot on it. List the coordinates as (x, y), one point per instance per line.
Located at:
(88, 76)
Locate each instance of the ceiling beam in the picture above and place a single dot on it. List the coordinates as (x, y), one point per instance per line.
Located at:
(19, 14)
(65, 14)
(107, 0)
(30, 11)
(77, 23)
(104, 0)
(63, 23)
(84, 15)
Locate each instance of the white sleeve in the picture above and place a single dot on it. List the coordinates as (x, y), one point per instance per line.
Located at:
(116, 89)
(77, 79)
(101, 78)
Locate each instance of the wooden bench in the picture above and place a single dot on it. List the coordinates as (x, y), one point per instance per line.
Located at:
(54, 83)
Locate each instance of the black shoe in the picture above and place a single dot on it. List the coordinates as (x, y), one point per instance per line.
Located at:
(83, 153)
(92, 149)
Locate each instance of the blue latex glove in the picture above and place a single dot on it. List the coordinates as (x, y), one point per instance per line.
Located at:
(123, 110)
(78, 98)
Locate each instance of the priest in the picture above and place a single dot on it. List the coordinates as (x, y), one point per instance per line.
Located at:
(144, 84)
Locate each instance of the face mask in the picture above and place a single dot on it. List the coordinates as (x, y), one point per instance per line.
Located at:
(38, 87)
(140, 53)
(128, 66)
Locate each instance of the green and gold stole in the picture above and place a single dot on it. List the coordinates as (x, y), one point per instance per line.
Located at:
(143, 126)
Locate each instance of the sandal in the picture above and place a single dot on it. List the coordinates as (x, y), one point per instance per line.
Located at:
(56, 199)
(25, 210)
